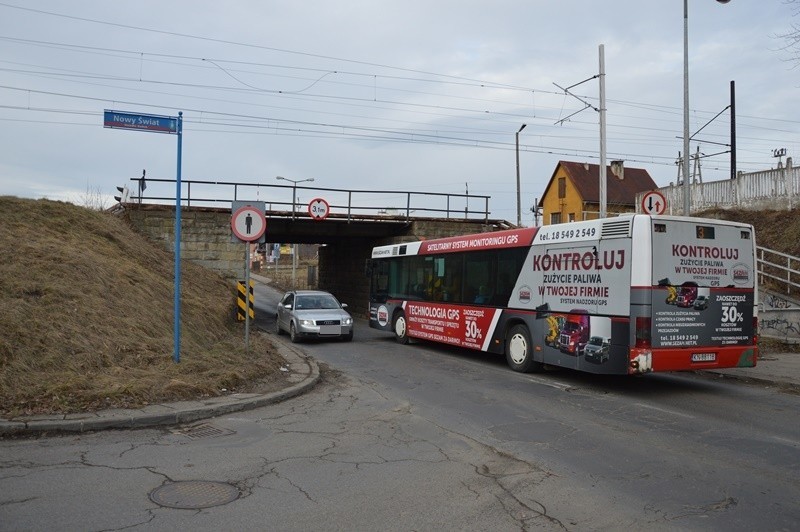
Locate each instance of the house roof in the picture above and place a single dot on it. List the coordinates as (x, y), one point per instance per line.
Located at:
(623, 191)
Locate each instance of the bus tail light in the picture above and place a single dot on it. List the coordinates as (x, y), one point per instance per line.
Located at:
(643, 332)
(755, 330)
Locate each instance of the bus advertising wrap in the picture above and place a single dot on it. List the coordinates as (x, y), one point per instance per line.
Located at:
(565, 276)
(464, 326)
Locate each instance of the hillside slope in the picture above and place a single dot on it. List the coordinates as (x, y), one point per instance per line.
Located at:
(86, 318)
(777, 230)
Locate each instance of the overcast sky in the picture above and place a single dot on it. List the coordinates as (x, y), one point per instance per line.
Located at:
(384, 95)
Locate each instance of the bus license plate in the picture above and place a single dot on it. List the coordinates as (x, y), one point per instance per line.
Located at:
(704, 357)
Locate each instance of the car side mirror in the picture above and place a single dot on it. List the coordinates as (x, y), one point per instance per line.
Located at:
(344, 305)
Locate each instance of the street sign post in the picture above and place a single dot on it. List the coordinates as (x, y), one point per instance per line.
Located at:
(160, 124)
(654, 202)
(248, 224)
(151, 123)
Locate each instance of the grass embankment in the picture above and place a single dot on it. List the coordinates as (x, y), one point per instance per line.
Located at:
(86, 318)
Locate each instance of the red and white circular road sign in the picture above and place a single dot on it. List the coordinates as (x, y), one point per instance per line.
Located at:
(654, 202)
(318, 209)
(248, 223)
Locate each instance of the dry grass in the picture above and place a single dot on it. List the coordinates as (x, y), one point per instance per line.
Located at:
(86, 318)
(778, 230)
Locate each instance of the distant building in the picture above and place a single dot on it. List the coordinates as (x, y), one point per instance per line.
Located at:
(573, 192)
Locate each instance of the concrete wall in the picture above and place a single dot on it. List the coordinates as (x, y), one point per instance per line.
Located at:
(780, 324)
(778, 317)
(205, 237)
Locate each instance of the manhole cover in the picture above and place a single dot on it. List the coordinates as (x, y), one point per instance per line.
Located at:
(194, 494)
(204, 430)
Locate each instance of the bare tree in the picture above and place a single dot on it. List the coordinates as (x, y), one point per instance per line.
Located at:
(791, 37)
(93, 199)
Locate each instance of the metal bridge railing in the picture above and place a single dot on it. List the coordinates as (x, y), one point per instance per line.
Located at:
(781, 269)
(361, 203)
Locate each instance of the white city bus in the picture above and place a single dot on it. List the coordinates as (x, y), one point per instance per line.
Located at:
(625, 295)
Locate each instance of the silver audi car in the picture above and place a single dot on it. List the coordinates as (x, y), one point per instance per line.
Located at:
(313, 314)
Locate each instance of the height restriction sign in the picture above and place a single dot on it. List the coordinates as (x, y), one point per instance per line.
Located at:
(248, 223)
(318, 209)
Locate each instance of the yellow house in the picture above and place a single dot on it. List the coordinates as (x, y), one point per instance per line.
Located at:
(573, 192)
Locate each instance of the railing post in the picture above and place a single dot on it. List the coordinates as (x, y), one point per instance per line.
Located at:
(408, 205)
(349, 203)
(448, 206)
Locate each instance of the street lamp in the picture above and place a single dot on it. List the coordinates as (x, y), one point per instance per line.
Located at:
(686, 197)
(294, 183)
(519, 201)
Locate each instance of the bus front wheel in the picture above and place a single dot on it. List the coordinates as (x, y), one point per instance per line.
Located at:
(519, 350)
(400, 328)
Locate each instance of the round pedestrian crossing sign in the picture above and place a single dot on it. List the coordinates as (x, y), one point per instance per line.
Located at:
(248, 223)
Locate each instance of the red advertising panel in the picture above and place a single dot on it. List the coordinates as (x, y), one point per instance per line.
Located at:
(464, 326)
(495, 240)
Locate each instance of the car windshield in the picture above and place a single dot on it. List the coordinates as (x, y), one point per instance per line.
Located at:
(596, 340)
(321, 301)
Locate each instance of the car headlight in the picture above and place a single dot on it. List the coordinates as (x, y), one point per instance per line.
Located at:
(307, 323)
(348, 321)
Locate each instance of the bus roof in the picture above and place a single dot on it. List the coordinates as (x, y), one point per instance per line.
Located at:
(511, 238)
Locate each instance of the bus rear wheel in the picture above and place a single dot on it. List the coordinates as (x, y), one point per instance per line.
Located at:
(519, 350)
(400, 328)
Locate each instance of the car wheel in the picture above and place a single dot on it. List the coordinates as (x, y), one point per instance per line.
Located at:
(519, 350)
(400, 328)
(278, 330)
(293, 336)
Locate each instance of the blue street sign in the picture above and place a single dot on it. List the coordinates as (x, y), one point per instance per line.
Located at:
(153, 123)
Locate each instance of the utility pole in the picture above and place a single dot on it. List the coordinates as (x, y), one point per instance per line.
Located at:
(602, 111)
(602, 185)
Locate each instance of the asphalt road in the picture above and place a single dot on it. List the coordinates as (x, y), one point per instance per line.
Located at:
(422, 437)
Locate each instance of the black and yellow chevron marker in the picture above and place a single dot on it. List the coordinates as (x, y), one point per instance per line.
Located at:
(241, 305)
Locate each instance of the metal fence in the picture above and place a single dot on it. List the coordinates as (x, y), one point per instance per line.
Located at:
(296, 198)
(777, 188)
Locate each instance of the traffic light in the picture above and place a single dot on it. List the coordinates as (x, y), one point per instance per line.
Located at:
(124, 194)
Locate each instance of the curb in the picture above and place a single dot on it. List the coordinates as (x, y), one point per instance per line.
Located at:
(172, 413)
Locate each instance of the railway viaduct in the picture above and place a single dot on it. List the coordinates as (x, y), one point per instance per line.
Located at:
(346, 240)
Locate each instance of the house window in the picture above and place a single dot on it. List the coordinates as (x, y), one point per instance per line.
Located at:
(571, 216)
(555, 218)
(562, 187)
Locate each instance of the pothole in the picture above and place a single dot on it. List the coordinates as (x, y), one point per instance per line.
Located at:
(194, 494)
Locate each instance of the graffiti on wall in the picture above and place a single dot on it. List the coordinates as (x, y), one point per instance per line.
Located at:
(776, 302)
(782, 326)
